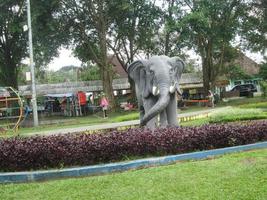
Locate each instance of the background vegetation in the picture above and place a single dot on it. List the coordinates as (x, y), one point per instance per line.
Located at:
(130, 29)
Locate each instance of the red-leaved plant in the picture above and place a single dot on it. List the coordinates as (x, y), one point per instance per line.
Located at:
(43, 152)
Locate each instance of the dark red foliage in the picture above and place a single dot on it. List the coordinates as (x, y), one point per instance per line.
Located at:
(42, 152)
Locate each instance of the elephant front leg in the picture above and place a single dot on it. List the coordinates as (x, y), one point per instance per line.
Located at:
(171, 111)
(148, 104)
(163, 119)
(141, 112)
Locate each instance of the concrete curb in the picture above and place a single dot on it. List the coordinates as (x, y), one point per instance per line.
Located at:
(18, 177)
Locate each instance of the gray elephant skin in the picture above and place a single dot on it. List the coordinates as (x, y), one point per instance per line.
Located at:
(156, 82)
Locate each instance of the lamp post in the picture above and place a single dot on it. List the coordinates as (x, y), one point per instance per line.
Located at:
(34, 102)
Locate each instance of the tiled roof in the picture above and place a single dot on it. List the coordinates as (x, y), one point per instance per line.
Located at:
(247, 64)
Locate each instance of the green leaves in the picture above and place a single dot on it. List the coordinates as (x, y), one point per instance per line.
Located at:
(47, 35)
(263, 71)
(254, 26)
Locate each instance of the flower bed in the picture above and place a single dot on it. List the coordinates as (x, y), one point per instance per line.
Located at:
(42, 152)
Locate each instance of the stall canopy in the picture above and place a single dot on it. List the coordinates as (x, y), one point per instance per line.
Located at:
(59, 95)
(4, 92)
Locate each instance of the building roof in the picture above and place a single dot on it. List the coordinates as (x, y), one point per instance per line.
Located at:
(118, 68)
(247, 64)
(191, 78)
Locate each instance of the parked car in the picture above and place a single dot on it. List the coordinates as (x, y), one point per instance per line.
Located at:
(245, 89)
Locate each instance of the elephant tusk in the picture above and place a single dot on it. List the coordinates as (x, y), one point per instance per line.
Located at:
(155, 91)
(179, 91)
(172, 89)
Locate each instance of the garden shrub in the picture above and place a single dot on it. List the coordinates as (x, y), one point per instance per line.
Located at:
(44, 152)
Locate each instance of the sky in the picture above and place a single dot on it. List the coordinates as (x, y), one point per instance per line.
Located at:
(66, 58)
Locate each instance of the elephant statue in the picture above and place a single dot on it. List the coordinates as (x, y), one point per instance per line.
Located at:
(156, 80)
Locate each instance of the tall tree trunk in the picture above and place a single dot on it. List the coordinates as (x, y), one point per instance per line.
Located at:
(9, 71)
(168, 32)
(206, 79)
(9, 76)
(107, 84)
(131, 59)
(207, 66)
(167, 43)
(105, 67)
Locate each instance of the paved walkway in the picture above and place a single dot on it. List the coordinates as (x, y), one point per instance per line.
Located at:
(115, 125)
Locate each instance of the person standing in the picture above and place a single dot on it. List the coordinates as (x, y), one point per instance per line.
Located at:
(104, 104)
(82, 101)
(211, 98)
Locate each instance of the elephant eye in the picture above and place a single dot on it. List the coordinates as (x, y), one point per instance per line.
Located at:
(172, 70)
(151, 72)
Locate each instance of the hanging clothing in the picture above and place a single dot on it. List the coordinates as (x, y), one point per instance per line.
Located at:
(82, 98)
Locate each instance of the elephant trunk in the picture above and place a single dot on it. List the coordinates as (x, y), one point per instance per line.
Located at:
(161, 104)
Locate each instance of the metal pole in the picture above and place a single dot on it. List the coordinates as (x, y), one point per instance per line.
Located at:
(34, 102)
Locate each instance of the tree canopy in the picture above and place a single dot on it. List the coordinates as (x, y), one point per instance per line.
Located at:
(135, 24)
(13, 41)
(209, 28)
(47, 36)
(131, 29)
(254, 27)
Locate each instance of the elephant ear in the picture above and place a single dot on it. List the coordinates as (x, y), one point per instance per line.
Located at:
(137, 73)
(178, 65)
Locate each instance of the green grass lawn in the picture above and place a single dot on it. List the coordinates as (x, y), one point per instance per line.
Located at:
(261, 105)
(235, 176)
(230, 114)
(242, 101)
(77, 122)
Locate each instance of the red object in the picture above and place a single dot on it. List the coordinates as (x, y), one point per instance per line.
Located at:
(82, 98)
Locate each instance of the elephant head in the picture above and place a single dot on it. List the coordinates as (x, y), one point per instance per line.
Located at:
(158, 76)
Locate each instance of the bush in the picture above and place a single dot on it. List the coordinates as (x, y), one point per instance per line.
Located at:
(42, 152)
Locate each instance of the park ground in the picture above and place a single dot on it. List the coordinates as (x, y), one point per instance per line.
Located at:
(235, 176)
(233, 110)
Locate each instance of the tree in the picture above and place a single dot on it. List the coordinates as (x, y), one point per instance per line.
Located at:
(209, 27)
(237, 73)
(48, 31)
(12, 40)
(89, 23)
(191, 66)
(169, 41)
(133, 31)
(135, 26)
(164, 39)
(47, 36)
(90, 73)
(263, 71)
(254, 26)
